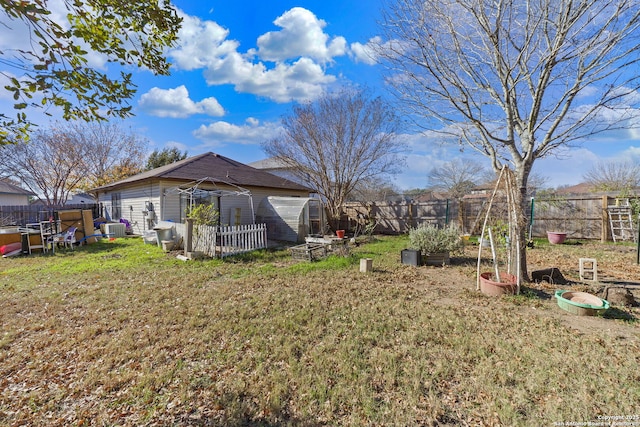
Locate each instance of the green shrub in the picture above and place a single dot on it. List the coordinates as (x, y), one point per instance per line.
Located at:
(430, 239)
(204, 214)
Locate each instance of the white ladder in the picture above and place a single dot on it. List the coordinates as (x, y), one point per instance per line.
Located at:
(621, 222)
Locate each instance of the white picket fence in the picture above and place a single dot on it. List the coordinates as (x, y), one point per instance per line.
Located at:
(238, 239)
(224, 241)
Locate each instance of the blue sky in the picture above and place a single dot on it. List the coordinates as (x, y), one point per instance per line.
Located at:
(241, 65)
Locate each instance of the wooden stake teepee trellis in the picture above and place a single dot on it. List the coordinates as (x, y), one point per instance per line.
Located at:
(506, 180)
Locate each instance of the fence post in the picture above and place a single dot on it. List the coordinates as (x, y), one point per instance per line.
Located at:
(411, 220)
(604, 235)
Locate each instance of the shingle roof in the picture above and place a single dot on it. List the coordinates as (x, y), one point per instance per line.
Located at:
(6, 188)
(210, 165)
(270, 163)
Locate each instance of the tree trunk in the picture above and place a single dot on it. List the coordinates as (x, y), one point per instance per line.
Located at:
(521, 224)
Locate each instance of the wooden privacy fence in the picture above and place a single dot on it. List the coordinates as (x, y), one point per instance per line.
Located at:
(581, 217)
(224, 241)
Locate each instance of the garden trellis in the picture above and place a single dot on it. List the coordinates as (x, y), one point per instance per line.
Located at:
(501, 207)
(206, 188)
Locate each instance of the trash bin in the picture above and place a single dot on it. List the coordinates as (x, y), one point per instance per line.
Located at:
(164, 231)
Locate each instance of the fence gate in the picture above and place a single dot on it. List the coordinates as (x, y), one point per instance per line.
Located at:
(621, 222)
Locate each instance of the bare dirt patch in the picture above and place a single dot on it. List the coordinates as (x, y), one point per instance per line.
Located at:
(618, 280)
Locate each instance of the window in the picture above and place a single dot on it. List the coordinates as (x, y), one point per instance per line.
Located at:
(201, 198)
(116, 206)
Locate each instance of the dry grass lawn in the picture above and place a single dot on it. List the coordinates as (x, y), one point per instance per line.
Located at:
(121, 334)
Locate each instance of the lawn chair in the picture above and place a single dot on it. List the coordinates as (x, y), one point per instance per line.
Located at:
(68, 238)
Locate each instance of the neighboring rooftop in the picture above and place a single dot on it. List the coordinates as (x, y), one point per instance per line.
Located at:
(8, 188)
(581, 188)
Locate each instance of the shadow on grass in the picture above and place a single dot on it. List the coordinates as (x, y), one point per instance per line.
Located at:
(240, 411)
(465, 261)
(535, 293)
(247, 422)
(618, 314)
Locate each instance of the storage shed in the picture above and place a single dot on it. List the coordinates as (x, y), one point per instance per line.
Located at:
(291, 219)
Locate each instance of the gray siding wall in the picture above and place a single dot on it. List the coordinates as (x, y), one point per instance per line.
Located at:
(134, 201)
(167, 204)
(170, 207)
(229, 206)
(13, 200)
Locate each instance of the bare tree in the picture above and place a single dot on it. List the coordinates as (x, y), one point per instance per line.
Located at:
(50, 165)
(374, 190)
(112, 152)
(536, 181)
(457, 177)
(337, 142)
(72, 156)
(515, 79)
(613, 175)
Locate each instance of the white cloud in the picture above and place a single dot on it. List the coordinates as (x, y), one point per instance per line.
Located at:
(366, 53)
(299, 81)
(251, 133)
(176, 103)
(302, 35)
(16, 35)
(300, 51)
(201, 43)
(567, 168)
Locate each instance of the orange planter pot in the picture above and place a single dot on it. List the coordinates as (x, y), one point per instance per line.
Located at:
(506, 286)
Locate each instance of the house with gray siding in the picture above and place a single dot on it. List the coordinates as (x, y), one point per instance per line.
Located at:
(12, 195)
(165, 193)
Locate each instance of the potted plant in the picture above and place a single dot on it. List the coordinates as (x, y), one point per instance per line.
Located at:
(558, 212)
(491, 285)
(436, 244)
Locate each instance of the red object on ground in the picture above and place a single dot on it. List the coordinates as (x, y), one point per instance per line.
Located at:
(10, 247)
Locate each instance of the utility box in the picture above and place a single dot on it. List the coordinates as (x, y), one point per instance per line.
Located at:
(115, 229)
(411, 257)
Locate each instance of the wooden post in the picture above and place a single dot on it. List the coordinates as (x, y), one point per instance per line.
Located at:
(188, 238)
(604, 235)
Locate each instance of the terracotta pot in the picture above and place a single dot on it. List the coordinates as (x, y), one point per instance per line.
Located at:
(340, 234)
(556, 238)
(506, 286)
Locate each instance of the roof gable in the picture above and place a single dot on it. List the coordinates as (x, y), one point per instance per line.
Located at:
(7, 188)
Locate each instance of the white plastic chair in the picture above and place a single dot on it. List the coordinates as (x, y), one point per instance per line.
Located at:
(68, 238)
